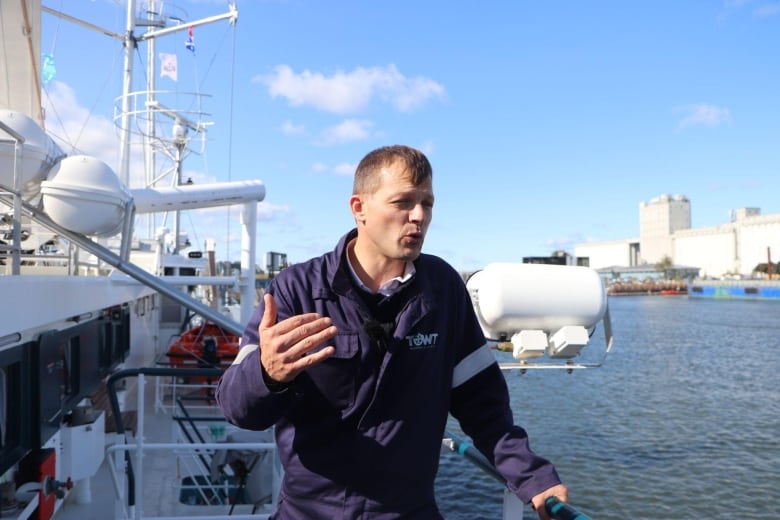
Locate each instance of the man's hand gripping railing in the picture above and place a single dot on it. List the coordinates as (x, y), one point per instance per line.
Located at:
(562, 511)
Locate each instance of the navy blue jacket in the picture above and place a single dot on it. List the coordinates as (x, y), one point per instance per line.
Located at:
(359, 435)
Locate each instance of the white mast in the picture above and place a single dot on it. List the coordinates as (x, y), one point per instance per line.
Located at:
(151, 86)
(127, 86)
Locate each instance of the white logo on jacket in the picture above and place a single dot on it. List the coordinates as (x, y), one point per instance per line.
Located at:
(421, 340)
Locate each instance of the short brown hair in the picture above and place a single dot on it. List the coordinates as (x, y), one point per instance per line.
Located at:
(414, 161)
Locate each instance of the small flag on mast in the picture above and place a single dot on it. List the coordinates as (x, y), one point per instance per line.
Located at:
(190, 43)
(169, 66)
(48, 70)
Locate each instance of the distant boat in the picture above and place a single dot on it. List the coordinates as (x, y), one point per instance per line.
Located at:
(656, 287)
(750, 289)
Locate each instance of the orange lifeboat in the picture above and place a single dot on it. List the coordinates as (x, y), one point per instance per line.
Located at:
(204, 346)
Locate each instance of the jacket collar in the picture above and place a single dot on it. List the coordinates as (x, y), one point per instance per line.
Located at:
(340, 281)
(337, 269)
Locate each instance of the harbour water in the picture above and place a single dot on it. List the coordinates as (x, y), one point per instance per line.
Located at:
(681, 422)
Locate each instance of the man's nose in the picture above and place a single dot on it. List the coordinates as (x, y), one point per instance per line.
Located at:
(417, 214)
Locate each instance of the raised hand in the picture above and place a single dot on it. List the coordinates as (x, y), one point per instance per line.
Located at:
(285, 347)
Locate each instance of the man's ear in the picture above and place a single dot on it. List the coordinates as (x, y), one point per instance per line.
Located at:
(357, 207)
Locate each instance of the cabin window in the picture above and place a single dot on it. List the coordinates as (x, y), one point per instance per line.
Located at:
(66, 369)
(14, 405)
(56, 374)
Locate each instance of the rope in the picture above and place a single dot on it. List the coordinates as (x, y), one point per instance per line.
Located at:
(67, 139)
(231, 103)
(56, 31)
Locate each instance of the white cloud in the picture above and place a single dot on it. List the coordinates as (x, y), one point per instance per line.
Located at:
(78, 131)
(267, 211)
(566, 243)
(704, 115)
(342, 169)
(770, 9)
(427, 148)
(348, 131)
(197, 177)
(345, 169)
(351, 92)
(75, 130)
(763, 9)
(290, 128)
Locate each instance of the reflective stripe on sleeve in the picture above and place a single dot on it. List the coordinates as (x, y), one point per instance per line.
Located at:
(244, 352)
(472, 365)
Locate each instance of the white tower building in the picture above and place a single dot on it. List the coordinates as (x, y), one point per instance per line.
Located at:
(658, 220)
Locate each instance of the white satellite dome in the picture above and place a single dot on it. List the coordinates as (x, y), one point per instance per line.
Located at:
(511, 297)
(37, 155)
(85, 195)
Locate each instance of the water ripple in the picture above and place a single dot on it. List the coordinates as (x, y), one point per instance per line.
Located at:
(681, 422)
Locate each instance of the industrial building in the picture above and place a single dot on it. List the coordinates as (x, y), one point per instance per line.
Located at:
(733, 248)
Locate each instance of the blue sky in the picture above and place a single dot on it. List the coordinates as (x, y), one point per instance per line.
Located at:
(547, 123)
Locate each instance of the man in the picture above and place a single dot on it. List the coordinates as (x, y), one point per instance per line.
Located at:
(363, 353)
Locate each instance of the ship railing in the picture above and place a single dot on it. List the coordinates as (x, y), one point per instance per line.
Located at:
(168, 390)
(32, 263)
(213, 461)
(47, 253)
(512, 506)
(166, 117)
(200, 441)
(197, 390)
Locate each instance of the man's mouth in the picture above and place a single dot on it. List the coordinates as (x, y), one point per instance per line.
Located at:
(413, 237)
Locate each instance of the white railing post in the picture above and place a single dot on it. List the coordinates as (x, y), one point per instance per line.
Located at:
(139, 455)
(513, 507)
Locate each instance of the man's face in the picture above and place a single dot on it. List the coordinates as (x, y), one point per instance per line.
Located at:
(396, 217)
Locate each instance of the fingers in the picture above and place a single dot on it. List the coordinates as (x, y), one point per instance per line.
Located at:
(305, 338)
(284, 363)
(297, 335)
(269, 313)
(287, 346)
(538, 502)
(314, 358)
(298, 327)
(540, 509)
(285, 326)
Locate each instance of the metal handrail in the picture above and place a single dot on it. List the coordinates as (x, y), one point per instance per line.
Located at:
(117, 412)
(141, 446)
(556, 509)
(559, 510)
